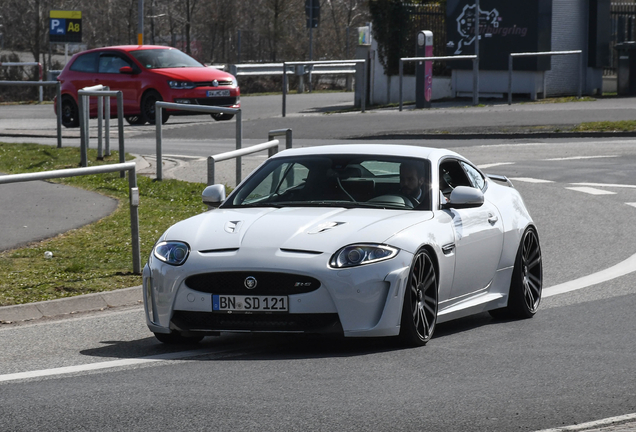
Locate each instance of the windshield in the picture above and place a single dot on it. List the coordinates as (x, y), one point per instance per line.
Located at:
(164, 58)
(350, 181)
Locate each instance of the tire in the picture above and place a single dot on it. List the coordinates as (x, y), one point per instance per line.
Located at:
(176, 338)
(222, 117)
(147, 107)
(526, 285)
(70, 113)
(134, 120)
(419, 312)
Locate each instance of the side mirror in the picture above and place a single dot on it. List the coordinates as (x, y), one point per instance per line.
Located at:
(465, 197)
(126, 70)
(213, 196)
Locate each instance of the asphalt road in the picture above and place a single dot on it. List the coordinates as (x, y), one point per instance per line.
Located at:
(573, 362)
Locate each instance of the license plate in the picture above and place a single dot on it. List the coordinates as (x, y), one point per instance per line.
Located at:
(234, 303)
(217, 93)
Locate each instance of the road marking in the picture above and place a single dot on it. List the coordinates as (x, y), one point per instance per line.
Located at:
(606, 185)
(631, 204)
(621, 269)
(103, 365)
(580, 158)
(594, 424)
(591, 191)
(530, 180)
(494, 165)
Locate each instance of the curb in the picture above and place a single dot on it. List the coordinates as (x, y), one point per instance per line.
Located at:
(85, 303)
(493, 135)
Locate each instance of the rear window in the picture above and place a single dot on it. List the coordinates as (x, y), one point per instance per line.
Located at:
(86, 63)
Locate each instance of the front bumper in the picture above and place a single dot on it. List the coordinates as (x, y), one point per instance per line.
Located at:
(364, 302)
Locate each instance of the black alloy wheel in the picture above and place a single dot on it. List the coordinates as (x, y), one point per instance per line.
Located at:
(222, 117)
(526, 285)
(70, 112)
(134, 120)
(148, 107)
(419, 312)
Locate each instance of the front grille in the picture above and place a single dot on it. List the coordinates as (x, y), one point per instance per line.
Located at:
(209, 321)
(217, 101)
(209, 83)
(267, 283)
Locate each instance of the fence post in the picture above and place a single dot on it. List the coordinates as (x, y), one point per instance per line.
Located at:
(120, 125)
(100, 125)
(210, 170)
(284, 89)
(58, 91)
(401, 77)
(159, 133)
(82, 113)
(364, 86)
(134, 220)
(581, 68)
(509, 79)
(239, 144)
(107, 126)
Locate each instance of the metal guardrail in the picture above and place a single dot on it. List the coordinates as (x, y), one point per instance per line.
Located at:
(196, 108)
(23, 64)
(58, 92)
(133, 194)
(103, 98)
(276, 69)
(546, 53)
(325, 63)
(280, 132)
(272, 146)
(446, 58)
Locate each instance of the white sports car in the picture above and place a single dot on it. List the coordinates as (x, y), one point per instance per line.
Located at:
(358, 240)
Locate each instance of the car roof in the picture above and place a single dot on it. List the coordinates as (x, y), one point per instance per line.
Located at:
(430, 153)
(128, 48)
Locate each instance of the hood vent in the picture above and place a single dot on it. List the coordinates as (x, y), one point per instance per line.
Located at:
(301, 251)
(324, 227)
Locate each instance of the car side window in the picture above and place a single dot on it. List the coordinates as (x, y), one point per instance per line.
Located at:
(86, 63)
(474, 176)
(111, 63)
(451, 175)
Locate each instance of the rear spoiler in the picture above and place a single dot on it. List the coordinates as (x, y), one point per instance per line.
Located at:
(501, 179)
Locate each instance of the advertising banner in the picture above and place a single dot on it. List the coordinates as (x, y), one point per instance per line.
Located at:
(505, 27)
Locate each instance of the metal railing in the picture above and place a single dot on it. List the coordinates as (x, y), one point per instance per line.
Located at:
(539, 54)
(196, 108)
(325, 63)
(133, 194)
(280, 132)
(446, 58)
(271, 145)
(58, 92)
(276, 69)
(103, 95)
(23, 64)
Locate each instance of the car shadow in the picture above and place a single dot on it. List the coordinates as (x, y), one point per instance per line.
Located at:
(230, 346)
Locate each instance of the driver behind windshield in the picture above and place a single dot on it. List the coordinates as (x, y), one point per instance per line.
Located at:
(412, 178)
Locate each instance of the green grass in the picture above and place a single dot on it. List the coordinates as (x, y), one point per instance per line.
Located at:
(607, 126)
(96, 257)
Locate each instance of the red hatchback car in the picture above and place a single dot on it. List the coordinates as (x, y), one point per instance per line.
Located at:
(145, 74)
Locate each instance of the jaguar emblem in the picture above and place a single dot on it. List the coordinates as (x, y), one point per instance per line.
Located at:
(250, 282)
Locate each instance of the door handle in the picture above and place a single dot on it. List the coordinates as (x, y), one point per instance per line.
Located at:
(492, 219)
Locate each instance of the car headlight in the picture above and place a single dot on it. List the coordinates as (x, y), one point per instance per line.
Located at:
(361, 254)
(234, 82)
(181, 85)
(172, 252)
